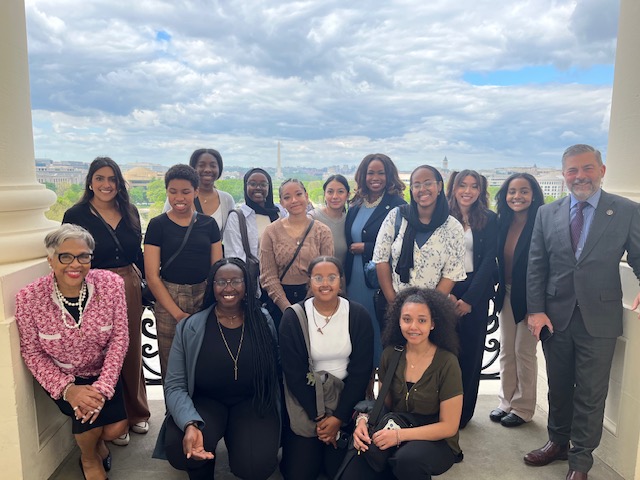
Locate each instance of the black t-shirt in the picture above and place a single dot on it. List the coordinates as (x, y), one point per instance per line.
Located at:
(214, 374)
(192, 265)
(106, 253)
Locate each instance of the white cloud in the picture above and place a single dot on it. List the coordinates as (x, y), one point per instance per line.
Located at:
(153, 80)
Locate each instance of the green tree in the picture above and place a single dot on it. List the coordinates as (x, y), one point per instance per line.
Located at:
(233, 186)
(50, 186)
(68, 195)
(156, 191)
(138, 195)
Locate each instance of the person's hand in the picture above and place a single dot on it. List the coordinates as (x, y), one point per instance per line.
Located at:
(384, 439)
(327, 429)
(361, 439)
(86, 401)
(636, 303)
(462, 308)
(193, 444)
(357, 248)
(180, 316)
(453, 298)
(536, 321)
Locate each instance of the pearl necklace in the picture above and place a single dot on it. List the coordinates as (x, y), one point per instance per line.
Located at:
(63, 301)
(373, 204)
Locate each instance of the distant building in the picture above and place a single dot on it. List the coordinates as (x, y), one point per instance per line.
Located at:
(141, 176)
(60, 173)
(552, 185)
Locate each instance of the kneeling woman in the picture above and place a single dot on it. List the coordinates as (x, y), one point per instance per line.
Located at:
(73, 338)
(222, 381)
(427, 381)
(341, 341)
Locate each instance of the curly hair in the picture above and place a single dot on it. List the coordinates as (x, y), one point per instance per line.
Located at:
(127, 210)
(442, 312)
(394, 186)
(505, 214)
(182, 172)
(478, 211)
(195, 156)
(263, 345)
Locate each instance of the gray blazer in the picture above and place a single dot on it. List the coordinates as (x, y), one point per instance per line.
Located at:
(179, 382)
(556, 281)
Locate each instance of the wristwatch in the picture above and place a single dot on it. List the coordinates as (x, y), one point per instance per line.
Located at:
(192, 422)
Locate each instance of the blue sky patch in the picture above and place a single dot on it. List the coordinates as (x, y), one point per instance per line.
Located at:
(163, 36)
(596, 75)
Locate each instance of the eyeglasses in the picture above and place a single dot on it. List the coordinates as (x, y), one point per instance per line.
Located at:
(258, 184)
(67, 258)
(234, 282)
(428, 185)
(319, 279)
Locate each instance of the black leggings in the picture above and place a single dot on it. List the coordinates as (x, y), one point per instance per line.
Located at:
(252, 441)
(417, 459)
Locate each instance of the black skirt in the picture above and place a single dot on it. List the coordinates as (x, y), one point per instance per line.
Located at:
(113, 410)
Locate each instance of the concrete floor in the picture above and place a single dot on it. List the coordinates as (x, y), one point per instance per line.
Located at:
(490, 451)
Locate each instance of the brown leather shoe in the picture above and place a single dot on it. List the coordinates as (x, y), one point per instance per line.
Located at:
(574, 475)
(547, 454)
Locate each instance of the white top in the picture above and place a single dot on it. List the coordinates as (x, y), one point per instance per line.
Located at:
(468, 251)
(441, 256)
(330, 350)
(232, 239)
(227, 203)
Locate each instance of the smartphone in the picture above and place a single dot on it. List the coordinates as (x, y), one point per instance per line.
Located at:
(545, 334)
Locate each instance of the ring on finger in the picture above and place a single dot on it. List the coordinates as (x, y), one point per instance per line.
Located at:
(75, 408)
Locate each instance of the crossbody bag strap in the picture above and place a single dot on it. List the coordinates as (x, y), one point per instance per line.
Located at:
(112, 232)
(244, 234)
(386, 384)
(304, 325)
(286, 269)
(184, 241)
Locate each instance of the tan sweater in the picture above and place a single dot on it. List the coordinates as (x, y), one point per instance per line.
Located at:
(276, 251)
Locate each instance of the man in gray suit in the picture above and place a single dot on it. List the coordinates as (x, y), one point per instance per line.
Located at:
(574, 290)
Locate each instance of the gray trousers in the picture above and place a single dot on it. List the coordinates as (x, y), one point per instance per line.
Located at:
(578, 367)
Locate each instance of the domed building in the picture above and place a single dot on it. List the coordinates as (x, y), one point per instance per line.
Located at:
(140, 176)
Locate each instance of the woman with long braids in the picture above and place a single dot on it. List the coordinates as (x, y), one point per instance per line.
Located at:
(468, 204)
(105, 210)
(222, 381)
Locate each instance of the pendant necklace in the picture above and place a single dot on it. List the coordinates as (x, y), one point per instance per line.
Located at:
(235, 359)
(427, 356)
(326, 319)
(231, 318)
(63, 301)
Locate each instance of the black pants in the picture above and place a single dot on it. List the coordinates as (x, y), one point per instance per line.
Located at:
(294, 293)
(417, 459)
(578, 368)
(252, 441)
(306, 458)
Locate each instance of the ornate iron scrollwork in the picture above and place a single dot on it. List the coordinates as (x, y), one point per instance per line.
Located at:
(492, 346)
(149, 348)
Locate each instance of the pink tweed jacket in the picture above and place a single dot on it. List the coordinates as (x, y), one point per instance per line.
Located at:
(56, 354)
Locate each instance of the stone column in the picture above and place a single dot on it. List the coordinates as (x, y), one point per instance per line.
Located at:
(23, 200)
(35, 436)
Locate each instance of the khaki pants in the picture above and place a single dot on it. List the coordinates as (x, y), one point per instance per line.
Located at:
(189, 299)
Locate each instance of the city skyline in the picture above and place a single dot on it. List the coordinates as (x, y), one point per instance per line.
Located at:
(480, 85)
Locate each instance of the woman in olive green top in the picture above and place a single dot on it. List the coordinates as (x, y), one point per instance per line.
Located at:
(427, 382)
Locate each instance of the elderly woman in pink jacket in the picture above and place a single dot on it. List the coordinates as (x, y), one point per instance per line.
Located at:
(73, 338)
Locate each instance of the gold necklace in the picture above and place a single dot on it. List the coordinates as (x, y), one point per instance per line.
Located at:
(426, 356)
(326, 319)
(235, 359)
(230, 317)
(373, 204)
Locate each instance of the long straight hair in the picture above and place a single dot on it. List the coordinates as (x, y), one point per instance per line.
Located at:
(478, 211)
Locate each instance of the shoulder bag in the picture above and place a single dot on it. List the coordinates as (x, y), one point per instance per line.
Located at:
(328, 388)
(253, 264)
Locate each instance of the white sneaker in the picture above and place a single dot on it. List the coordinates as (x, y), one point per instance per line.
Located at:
(122, 440)
(140, 427)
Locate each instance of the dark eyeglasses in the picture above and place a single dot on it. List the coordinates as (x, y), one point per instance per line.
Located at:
(67, 258)
(234, 282)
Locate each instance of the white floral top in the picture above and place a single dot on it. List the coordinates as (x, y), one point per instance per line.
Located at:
(441, 256)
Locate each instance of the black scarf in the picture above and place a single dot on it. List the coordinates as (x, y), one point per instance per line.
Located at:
(410, 213)
(269, 209)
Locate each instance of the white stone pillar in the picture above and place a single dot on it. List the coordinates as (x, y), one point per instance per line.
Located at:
(23, 200)
(35, 436)
(623, 152)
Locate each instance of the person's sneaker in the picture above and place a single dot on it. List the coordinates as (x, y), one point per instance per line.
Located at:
(122, 440)
(140, 427)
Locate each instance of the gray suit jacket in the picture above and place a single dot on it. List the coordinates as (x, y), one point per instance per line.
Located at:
(556, 281)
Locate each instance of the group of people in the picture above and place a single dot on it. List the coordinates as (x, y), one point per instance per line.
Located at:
(255, 305)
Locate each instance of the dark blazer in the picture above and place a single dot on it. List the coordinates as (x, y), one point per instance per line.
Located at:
(557, 282)
(519, 270)
(370, 230)
(295, 364)
(479, 287)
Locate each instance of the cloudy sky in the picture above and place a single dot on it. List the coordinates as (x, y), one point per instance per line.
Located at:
(484, 82)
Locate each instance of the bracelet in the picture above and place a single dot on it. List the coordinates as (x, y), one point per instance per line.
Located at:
(360, 416)
(398, 437)
(190, 423)
(66, 390)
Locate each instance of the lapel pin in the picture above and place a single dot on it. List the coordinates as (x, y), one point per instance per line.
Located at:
(387, 207)
(609, 212)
